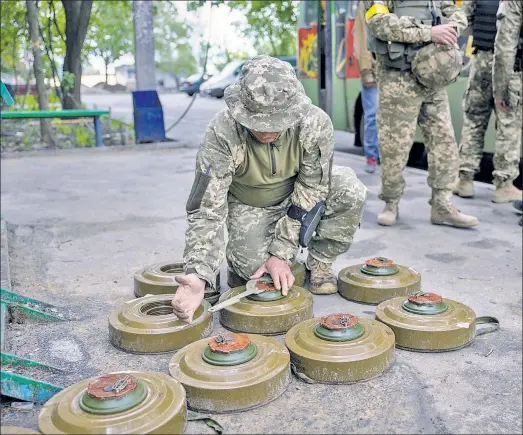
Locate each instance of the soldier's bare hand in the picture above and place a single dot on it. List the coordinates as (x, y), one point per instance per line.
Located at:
(369, 82)
(444, 34)
(280, 273)
(188, 297)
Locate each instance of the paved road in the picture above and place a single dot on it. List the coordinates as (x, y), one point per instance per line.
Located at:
(81, 223)
(192, 127)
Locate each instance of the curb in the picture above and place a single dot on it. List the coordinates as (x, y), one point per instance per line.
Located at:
(156, 146)
(4, 257)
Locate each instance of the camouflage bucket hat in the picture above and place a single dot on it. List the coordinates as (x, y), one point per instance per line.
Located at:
(268, 96)
(437, 67)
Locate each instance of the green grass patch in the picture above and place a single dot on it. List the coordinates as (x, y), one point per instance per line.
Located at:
(31, 102)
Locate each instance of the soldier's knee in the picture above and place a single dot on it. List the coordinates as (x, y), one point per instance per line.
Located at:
(348, 189)
(357, 193)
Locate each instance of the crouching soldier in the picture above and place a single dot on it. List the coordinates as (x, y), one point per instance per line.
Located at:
(265, 168)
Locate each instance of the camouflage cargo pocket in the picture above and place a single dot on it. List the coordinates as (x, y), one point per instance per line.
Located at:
(199, 187)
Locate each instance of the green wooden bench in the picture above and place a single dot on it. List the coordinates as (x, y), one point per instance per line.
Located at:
(95, 114)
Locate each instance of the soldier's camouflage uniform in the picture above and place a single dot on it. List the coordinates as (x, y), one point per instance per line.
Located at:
(507, 75)
(404, 103)
(478, 105)
(249, 185)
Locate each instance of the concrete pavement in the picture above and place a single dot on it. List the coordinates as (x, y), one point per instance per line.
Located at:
(80, 224)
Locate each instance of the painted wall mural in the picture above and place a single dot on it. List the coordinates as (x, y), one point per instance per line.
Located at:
(308, 52)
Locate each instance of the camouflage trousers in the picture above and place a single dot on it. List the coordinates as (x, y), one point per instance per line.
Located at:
(403, 104)
(251, 229)
(478, 105)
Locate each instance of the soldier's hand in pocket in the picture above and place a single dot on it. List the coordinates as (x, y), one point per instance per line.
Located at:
(188, 297)
(444, 34)
(280, 273)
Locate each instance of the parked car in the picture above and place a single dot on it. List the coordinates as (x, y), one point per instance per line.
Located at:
(191, 85)
(216, 85)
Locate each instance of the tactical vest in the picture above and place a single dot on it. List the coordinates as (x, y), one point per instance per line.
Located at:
(484, 27)
(397, 54)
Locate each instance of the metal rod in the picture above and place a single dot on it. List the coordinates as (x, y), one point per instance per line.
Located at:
(98, 131)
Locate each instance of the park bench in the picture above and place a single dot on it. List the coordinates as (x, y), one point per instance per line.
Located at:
(95, 114)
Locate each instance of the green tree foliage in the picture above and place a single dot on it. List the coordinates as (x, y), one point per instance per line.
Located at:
(110, 34)
(13, 36)
(174, 53)
(52, 25)
(224, 56)
(270, 24)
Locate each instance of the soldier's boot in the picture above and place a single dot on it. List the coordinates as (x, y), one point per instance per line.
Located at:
(444, 212)
(509, 193)
(389, 214)
(465, 188)
(322, 279)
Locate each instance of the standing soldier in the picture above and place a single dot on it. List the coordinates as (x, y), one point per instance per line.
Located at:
(477, 107)
(508, 54)
(264, 168)
(415, 43)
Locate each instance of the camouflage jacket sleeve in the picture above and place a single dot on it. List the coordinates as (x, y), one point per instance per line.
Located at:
(454, 14)
(387, 26)
(510, 17)
(469, 9)
(312, 185)
(362, 54)
(207, 204)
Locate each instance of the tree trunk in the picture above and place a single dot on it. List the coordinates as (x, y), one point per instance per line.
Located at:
(143, 17)
(106, 62)
(43, 103)
(77, 14)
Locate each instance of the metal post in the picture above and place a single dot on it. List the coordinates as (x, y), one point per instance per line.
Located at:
(321, 56)
(144, 45)
(98, 131)
(328, 56)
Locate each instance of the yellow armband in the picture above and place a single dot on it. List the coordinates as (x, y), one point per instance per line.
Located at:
(376, 8)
